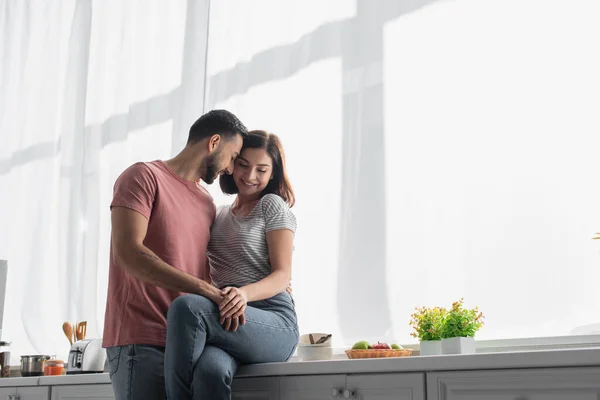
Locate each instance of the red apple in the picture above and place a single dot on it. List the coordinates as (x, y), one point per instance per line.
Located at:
(380, 345)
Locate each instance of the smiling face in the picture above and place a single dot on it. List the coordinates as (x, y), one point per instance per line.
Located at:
(252, 172)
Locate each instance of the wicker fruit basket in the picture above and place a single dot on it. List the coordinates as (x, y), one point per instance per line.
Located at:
(378, 353)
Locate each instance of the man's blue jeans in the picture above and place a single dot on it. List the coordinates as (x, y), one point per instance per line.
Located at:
(137, 372)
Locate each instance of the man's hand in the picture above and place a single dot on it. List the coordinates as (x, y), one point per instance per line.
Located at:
(233, 306)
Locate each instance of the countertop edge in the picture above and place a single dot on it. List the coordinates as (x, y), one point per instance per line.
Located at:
(586, 357)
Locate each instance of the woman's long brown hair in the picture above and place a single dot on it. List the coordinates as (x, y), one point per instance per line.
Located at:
(279, 183)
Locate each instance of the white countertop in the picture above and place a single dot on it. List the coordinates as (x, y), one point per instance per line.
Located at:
(86, 379)
(483, 361)
(480, 361)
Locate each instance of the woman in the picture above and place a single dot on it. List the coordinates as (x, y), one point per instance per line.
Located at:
(250, 255)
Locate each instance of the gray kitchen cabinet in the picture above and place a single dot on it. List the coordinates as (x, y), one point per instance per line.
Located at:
(364, 387)
(25, 393)
(33, 393)
(386, 386)
(95, 392)
(255, 389)
(6, 392)
(538, 384)
(312, 387)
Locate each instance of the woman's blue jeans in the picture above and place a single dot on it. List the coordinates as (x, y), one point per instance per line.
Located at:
(201, 357)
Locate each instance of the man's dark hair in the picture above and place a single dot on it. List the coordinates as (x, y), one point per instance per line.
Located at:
(220, 122)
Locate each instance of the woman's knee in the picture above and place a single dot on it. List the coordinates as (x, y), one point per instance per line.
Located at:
(189, 304)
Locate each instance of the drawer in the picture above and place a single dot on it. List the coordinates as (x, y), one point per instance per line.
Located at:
(533, 384)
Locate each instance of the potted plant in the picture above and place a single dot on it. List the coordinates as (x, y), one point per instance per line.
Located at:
(427, 324)
(459, 328)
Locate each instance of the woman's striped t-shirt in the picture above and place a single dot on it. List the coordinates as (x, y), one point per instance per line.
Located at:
(237, 251)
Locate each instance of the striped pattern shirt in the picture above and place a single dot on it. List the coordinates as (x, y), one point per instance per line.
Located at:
(237, 251)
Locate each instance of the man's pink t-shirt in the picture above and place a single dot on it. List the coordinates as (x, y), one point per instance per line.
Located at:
(179, 215)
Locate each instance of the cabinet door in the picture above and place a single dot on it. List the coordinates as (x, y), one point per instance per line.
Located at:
(386, 387)
(7, 392)
(95, 392)
(312, 387)
(540, 384)
(255, 388)
(33, 393)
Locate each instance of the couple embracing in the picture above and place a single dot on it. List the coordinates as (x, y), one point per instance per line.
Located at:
(194, 291)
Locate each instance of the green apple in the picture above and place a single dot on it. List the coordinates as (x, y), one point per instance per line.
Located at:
(362, 345)
(396, 346)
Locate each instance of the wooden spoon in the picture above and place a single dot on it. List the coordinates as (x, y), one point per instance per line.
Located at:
(68, 330)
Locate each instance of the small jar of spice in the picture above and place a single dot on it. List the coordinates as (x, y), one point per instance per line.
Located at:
(53, 367)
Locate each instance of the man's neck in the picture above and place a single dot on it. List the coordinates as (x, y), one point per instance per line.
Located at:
(189, 163)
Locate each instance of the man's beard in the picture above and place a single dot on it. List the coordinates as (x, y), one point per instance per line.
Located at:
(211, 168)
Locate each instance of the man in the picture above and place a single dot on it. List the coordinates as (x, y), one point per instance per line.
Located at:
(161, 220)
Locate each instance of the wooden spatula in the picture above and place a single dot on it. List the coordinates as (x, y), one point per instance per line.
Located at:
(83, 329)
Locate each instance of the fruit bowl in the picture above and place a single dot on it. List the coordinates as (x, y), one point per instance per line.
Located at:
(378, 353)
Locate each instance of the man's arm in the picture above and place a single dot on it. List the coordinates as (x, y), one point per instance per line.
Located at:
(128, 232)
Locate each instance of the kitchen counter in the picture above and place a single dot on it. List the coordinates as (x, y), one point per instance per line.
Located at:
(480, 361)
(87, 379)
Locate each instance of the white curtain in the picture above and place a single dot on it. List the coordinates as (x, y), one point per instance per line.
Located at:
(86, 89)
(438, 149)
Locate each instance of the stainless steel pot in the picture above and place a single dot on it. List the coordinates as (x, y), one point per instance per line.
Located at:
(33, 365)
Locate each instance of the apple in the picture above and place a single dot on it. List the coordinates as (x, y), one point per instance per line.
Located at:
(396, 346)
(380, 346)
(362, 345)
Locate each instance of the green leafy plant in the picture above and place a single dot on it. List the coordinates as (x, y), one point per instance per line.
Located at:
(461, 322)
(427, 323)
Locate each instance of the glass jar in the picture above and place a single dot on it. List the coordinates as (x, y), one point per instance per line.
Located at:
(4, 359)
(53, 367)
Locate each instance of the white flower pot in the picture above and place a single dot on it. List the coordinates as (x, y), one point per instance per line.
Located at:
(458, 345)
(430, 347)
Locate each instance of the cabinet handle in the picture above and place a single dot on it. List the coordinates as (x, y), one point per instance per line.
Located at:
(348, 394)
(335, 392)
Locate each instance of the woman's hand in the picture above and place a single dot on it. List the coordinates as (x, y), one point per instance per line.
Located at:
(233, 304)
(232, 324)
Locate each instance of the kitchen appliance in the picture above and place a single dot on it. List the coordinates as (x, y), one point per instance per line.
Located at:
(4, 350)
(33, 365)
(3, 274)
(86, 357)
